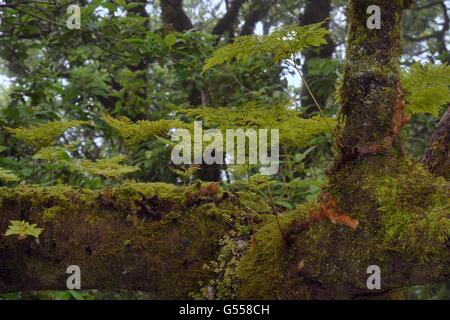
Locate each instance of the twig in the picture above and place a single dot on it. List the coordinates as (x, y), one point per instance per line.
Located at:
(275, 212)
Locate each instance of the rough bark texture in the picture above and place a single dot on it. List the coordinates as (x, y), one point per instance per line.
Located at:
(437, 155)
(173, 15)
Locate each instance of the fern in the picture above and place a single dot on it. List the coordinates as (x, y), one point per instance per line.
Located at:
(53, 155)
(7, 175)
(43, 135)
(294, 130)
(427, 88)
(281, 44)
(22, 229)
(186, 173)
(136, 132)
(108, 168)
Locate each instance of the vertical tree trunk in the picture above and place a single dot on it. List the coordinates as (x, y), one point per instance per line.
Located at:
(437, 155)
(372, 99)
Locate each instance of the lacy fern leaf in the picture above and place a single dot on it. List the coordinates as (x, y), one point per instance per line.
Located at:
(41, 136)
(427, 88)
(109, 168)
(22, 229)
(281, 44)
(134, 133)
(294, 130)
(53, 154)
(7, 175)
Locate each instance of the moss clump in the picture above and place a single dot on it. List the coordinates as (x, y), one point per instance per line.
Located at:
(414, 210)
(51, 213)
(261, 270)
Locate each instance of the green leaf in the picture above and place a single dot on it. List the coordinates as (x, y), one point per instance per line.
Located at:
(122, 3)
(22, 229)
(280, 44)
(427, 88)
(170, 40)
(43, 135)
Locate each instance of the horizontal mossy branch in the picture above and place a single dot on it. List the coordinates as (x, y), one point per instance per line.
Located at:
(150, 237)
(158, 237)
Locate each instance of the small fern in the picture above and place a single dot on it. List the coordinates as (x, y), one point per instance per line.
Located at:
(43, 135)
(22, 229)
(281, 44)
(54, 154)
(293, 129)
(108, 168)
(7, 176)
(134, 133)
(427, 88)
(186, 173)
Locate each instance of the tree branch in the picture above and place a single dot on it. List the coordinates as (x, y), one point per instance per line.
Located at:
(258, 11)
(173, 15)
(228, 20)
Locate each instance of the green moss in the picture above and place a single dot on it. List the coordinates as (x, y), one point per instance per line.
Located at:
(261, 269)
(51, 213)
(413, 207)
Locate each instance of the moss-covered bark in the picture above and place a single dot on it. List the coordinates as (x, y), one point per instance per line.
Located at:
(150, 237)
(402, 209)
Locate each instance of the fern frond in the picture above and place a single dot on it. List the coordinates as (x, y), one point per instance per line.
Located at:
(108, 168)
(136, 132)
(186, 173)
(22, 229)
(43, 135)
(281, 44)
(7, 175)
(53, 154)
(293, 129)
(427, 88)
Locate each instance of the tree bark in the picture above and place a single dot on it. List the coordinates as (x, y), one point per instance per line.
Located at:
(258, 11)
(377, 208)
(174, 16)
(150, 237)
(437, 155)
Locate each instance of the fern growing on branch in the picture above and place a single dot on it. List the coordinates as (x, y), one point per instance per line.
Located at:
(8, 176)
(109, 168)
(134, 133)
(294, 130)
(44, 135)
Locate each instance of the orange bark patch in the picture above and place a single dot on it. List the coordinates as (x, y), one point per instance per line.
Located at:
(329, 210)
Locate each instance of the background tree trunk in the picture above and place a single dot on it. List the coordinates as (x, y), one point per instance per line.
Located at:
(315, 11)
(437, 155)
